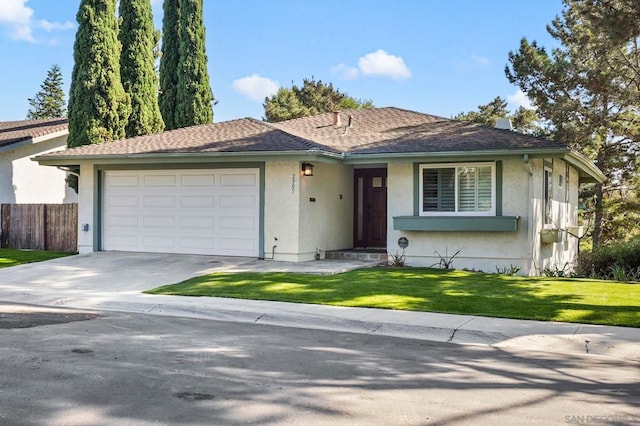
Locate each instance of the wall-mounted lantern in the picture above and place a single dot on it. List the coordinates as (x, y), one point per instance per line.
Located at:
(307, 169)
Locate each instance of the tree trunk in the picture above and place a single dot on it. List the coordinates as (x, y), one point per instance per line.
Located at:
(598, 214)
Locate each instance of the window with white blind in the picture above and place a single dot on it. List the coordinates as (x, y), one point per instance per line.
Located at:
(458, 189)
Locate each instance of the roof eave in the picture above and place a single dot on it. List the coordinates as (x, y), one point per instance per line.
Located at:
(173, 157)
(357, 157)
(588, 172)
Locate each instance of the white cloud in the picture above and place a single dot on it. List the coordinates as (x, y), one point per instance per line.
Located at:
(519, 99)
(17, 15)
(19, 18)
(256, 87)
(382, 64)
(52, 26)
(345, 72)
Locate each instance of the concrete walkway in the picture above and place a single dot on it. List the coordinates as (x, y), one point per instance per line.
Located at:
(114, 282)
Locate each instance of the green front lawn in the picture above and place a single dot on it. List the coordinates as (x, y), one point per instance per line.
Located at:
(12, 257)
(434, 290)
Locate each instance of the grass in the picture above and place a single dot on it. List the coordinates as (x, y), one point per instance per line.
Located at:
(434, 290)
(13, 257)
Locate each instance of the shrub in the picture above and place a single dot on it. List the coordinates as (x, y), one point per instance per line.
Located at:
(618, 260)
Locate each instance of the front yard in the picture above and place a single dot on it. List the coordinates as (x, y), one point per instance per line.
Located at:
(434, 290)
(12, 257)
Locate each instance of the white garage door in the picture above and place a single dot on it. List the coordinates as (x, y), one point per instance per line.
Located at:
(182, 211)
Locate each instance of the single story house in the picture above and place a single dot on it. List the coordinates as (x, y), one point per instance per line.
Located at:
(23, 181)
(360, 178)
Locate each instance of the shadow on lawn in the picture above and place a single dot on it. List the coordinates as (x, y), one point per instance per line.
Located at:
(417, 289)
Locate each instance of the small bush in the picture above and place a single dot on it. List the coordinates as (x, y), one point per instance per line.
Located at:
(512, 270)
(618, 261)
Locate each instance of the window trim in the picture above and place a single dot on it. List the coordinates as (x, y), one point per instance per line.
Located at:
(494, 188)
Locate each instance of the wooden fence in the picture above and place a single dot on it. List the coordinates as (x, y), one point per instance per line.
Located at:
(39, 226)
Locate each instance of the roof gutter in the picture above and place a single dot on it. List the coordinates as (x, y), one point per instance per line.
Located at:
(591, 173)
(66, 160)
(458, 154)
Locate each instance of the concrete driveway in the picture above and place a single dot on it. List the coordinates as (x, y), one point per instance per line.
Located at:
(110, 272)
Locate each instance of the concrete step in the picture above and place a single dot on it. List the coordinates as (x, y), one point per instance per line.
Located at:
(357, 255)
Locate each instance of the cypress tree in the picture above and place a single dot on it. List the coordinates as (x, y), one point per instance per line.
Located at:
(137, 68)
(169, 62)
(49, 101)
(98, 104)
(194, 97)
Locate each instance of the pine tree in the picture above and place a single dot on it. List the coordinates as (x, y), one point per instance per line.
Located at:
(137, 67)
(169, 62)
(588, 88)
(194, 96)
(98, 105)
(49, 101)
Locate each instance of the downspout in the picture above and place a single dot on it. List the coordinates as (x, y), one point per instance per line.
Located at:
(530, 236)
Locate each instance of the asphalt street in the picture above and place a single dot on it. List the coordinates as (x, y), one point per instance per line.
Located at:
(66, 367)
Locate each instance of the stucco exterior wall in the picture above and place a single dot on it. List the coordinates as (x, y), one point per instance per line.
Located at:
(298, 226)
(87, 190)
(478, 250)
(327, 222)
(23, 181)
(282, 210)
(564, 214)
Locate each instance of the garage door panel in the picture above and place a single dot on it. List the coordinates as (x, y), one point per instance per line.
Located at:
(237, 244)
(238, 179)
(125, 241)
(237, 223)
(238, 201)
(197, 243)
(159, 202)
(197, 202)
(124, 221)
(123, 201)
(160, 180)
(125, 181)
(198, 180)
(159, 222)
(182, 211)
(197, 222)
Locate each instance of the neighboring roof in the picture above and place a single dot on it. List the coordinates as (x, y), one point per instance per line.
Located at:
(12, 132)
(242, 135)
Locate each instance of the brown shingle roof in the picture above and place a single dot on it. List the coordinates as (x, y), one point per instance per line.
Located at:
(15, 131)
(394, 130)
(242, 135)
(372, 131)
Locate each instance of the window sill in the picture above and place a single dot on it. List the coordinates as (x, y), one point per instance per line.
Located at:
(456, 223)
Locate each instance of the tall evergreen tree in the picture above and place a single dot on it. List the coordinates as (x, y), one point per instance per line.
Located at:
(49, 101)
(137, 67)
(98, 105)
(194, 97)
(169, 62)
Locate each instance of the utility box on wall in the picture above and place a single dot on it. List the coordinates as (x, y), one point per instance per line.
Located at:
(548, 236)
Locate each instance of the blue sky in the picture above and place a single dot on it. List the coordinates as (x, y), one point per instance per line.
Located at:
(434, 56)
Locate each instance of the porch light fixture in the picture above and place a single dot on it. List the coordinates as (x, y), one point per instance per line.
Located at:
(307, 169)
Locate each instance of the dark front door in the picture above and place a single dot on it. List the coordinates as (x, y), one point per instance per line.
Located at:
(370, 209)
